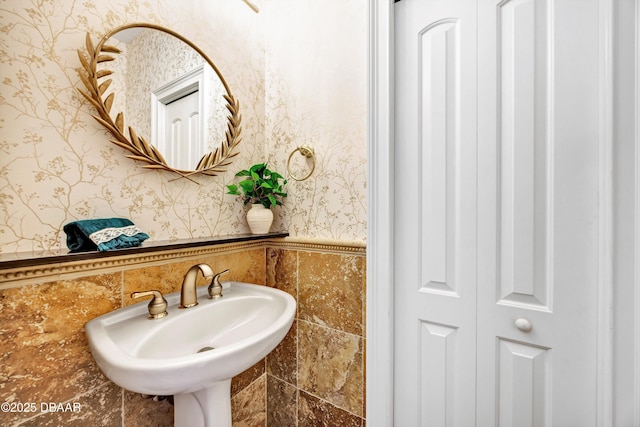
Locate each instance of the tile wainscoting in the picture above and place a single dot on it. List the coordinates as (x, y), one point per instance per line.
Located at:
(315, 377)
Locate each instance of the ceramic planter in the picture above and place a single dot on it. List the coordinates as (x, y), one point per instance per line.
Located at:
(259, 219)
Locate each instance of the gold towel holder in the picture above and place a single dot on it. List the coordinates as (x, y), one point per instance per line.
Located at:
(307, 151)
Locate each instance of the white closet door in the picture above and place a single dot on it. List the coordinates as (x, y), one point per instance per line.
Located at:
(497, 215)
(435, 215)
(538, 210)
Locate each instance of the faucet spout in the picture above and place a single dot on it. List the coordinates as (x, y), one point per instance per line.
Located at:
(188, 296)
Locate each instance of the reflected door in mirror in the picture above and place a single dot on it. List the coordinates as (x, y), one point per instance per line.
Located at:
(182, 123)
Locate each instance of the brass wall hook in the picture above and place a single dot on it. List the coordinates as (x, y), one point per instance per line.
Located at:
(306, 151)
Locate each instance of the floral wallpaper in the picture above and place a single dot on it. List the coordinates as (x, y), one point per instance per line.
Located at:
(316, 89)
(57, 164)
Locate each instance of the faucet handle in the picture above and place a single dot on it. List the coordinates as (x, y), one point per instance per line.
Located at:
(215, 288)
(157, 306)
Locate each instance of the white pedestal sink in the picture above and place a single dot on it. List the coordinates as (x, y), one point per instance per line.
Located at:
(192, 353)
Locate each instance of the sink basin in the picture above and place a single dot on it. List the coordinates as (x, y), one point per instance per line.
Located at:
(191, 350)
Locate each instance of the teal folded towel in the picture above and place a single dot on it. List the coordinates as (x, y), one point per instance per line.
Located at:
(103, 234)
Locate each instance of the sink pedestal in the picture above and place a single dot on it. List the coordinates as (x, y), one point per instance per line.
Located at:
(210, 407)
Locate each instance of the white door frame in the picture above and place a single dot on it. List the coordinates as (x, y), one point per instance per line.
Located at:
(627, 215)
(636, 283)
(380, 262)
(380, 217)
(605, 65)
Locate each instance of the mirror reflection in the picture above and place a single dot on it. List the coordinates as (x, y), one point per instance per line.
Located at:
(168, 92)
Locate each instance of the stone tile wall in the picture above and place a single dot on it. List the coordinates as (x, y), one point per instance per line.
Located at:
(314, 378)
(45, 355)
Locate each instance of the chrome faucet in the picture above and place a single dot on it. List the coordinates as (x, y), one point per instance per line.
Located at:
(188, 296)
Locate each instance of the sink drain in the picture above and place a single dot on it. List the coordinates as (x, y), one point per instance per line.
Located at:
(203, 349)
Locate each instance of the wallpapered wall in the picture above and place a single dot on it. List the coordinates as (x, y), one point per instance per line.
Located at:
(56, 164)
(316, 94)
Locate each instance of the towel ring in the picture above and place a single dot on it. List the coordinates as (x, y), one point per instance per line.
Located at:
(306, 151)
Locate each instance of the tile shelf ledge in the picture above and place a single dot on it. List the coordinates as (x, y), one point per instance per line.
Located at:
(44, 258)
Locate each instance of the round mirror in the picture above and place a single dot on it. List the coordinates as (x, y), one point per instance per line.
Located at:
(168, 89)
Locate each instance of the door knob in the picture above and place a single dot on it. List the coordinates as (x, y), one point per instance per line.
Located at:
(523, 324)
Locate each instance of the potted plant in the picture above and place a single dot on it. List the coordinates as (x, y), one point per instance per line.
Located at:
(262, 189)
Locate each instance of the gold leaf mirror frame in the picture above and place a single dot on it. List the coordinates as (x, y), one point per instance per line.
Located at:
(96, 86)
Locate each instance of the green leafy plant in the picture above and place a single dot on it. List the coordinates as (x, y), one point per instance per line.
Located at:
(260, 186)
